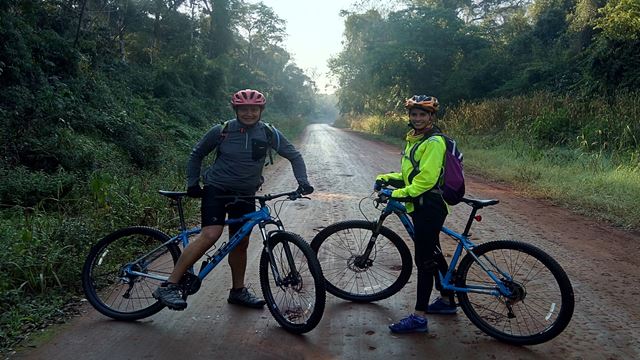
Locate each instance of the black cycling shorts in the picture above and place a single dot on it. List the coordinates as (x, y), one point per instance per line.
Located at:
(214, 211)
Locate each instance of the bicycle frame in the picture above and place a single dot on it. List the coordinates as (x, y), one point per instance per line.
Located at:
(395, 207)
(261, 217)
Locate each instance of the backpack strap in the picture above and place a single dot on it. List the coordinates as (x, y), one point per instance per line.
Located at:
(225, 130)
(416, 163)
(271, 132)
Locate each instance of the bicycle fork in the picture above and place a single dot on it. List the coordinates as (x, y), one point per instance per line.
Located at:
(292, 278)
(364, 261)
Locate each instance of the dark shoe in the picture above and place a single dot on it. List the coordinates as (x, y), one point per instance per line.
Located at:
(171, 296)
(412, 323)
(438, 306)
(245, 298)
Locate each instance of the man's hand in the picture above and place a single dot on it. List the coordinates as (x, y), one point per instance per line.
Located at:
(305, 189)
(195, 191)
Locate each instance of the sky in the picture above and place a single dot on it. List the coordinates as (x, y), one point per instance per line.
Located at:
(314, 29)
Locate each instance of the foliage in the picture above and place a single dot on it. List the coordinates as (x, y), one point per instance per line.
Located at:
(100, 104)
(620, 20)
(462, 51)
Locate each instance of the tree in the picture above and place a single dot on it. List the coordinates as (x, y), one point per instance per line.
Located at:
(261, 29)
(620, 20)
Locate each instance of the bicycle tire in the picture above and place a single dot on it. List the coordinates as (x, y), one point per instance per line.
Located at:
(338, 246)
(543, 302)
(297, 305)
(119, 296)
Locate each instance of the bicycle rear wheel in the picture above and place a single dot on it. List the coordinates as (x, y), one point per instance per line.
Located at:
(113, 290)
(351, 276)
(542, 302)
(297, 301)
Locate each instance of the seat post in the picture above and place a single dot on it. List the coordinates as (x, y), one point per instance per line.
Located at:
(470, 221)
(183, 226)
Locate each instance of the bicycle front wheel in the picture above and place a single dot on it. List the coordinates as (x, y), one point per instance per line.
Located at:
(351, 275)
(107, 278)
(541, 304)
(292, 283)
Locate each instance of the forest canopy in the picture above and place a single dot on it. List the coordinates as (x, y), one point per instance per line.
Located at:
(469, 50)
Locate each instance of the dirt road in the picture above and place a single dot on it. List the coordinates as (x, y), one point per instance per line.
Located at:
(602, 263)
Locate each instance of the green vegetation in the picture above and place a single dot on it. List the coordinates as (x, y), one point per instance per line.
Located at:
(588, 183)
(577, 152)
(459, 50)
(100, 104)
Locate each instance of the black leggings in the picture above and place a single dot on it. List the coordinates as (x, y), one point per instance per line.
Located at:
(428, 218)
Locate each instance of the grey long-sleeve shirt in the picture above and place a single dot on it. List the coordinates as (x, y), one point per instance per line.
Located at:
(240, 159)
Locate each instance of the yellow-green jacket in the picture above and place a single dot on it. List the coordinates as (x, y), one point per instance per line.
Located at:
(430, 155)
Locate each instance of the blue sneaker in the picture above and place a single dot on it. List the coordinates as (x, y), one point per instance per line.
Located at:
(412, 323)
(438, 306)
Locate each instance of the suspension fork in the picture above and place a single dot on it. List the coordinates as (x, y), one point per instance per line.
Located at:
(266, 236)
(362, 259)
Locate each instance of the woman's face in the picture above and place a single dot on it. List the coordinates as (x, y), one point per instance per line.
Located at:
(421, 119)
(248, 114)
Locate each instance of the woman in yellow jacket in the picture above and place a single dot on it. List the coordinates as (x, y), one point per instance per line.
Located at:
(428, 210)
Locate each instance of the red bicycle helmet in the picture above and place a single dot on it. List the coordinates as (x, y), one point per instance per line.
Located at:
(248, 97)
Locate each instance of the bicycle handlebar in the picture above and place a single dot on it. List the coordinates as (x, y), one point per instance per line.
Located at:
(291, 195)
(474, 203)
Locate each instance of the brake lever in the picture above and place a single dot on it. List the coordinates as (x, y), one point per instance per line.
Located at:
(297, 196)
(379, 199)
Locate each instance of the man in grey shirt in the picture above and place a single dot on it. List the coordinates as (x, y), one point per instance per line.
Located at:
(241, 147)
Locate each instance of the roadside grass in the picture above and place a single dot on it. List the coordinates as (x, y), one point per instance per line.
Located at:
(32, 314)
(590, 184)
(44, 247)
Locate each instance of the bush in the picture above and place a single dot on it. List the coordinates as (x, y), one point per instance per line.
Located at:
(24, 187)
(554, 127)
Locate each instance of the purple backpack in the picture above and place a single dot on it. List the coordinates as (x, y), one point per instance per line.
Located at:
(451, 183)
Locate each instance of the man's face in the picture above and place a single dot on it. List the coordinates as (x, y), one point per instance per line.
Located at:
(248, 114)
(420, 119)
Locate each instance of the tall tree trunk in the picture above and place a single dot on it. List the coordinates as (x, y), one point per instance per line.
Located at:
(220, 31)
(121, 32)
(75, 42)
(156, 31)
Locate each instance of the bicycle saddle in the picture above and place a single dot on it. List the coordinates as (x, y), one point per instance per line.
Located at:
(478, 203)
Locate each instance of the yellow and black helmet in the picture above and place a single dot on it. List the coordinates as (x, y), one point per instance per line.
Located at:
(424, 102)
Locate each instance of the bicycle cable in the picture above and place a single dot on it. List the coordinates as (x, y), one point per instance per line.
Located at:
(360, 204)
(277, 207)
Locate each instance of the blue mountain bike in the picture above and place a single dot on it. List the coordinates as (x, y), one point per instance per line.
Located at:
(511, 290)
(122, 270)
